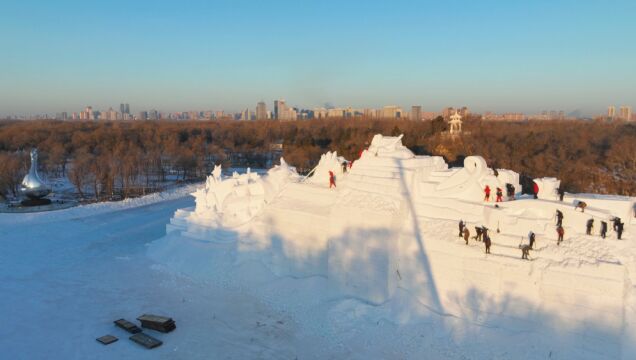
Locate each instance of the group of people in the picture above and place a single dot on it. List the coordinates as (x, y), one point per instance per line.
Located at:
(481, 234)
(510, 192)
(617, 226)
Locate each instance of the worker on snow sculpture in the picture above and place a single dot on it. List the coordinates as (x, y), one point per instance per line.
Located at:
(499, 195)
(603, 229)
(478, 233)
(344, 167)
(588, 227)
(487, 193)
(531, 238)
(332, 179)
(525, 251)
(466, 234)
(619, 230)
(615, 222)
(510, 191)
(487, 242)
(560, 232)
(535, 189)
(580, 205)
(561, 193)
(559, 216)
(461, 228)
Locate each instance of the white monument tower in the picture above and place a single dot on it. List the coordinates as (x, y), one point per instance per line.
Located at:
(455, 123)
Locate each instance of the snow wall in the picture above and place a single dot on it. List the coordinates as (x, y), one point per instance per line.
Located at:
(369, 237)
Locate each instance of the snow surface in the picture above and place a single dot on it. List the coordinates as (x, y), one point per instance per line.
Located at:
(371, 269)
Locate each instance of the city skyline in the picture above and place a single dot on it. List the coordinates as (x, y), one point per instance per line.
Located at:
(502, 57)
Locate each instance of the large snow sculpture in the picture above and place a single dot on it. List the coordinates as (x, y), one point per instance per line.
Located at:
(548, 187)
(236, 200)
(389, 146)
(328, 162)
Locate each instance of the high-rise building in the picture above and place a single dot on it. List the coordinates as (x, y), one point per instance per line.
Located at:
(416, 112)
(280, 110)
(611, 111)
(126, 109)
(276, 105)
(391, 112)
(261, 111)
(625, 113)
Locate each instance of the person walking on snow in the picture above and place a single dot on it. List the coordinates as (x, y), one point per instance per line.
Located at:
(588, 227)
(559, 216)
(466, 234)
(535, 189)
(603, 229)
(332, 179)
(487, 193)
(499, 195)
(560, 232)
(461, 227)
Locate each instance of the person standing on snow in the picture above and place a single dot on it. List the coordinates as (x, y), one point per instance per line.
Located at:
(619, 230)
(478, 233)
(525, 251)
(332, 179)
(487, 193)
(487, 243)
(510, 191)
(531, 238)
(466, 234)
(499, 195)
(535, 189)
(561, 193)
(588, 227)
(559, 216)
(560, 232)
(461, 228)
(603, 229)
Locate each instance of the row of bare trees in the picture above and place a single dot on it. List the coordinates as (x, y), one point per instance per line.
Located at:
(109, 159)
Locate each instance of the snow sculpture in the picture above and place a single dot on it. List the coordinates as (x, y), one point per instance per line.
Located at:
(389, 146)
(548, 188)
(236, 200)
(328, 162)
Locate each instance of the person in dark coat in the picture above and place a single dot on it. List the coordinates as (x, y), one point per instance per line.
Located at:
(559, 216)
(588, 227)
(525, 251)
(466, 234)
(461, 228)
(561, 193)
(560, 232)
(487, 243)
(535, 189)
(603, 229)
(510, 191)
(478, 233)
(484, 232)
(619, 230)
(615, 222)
(532, 238)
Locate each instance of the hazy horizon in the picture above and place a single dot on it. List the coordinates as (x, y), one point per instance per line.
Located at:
(199, 55)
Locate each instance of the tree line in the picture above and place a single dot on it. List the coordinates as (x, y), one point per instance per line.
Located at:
(122, 159)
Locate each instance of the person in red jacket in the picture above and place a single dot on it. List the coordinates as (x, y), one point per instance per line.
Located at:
(332, 179)
(487, 193)
(535, 188)
(499, 195)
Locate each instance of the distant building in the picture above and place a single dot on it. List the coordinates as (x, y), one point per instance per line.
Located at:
(611, 111)
(625, 113)
(391, 112)
(278, 106)
(261, 111)
(416, 113)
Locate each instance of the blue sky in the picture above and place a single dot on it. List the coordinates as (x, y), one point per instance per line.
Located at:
(179, 55)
